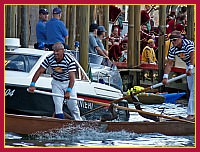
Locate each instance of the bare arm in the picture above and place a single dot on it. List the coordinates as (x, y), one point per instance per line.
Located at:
(192, 58)
(100, 52)
(189, 72)
(66, 37)
(36, 76)
(71, 79)
(71, 84)
(168, 66)
(167, 70)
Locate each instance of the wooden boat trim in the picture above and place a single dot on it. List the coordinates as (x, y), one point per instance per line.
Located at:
(22, 124)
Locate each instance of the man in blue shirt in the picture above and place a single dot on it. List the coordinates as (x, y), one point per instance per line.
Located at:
(92, 38)
(100, 36)
(41, 29)
(56, 30)
(94, 47)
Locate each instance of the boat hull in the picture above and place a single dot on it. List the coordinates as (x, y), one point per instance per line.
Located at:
(22, 124)
(19, 101)
(151, 98)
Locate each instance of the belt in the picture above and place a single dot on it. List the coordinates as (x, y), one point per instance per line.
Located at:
(60, 80)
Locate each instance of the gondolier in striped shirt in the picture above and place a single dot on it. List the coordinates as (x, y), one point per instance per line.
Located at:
(63, 67)
(184, 49)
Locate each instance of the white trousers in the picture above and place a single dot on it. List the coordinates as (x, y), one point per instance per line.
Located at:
(59, 87)
(191, 102)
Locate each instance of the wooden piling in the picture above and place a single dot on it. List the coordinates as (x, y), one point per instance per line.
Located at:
(24, 26)
(161, 41)
(72, 26)
(78, 23)
(84, 36)
(190, 22)
(130, 60)
(106, 23)
(136, 51)
(93, 17)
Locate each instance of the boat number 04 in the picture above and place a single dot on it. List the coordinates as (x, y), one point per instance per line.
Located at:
(9, 92)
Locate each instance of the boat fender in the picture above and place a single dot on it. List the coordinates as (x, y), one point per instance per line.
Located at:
(135, 89)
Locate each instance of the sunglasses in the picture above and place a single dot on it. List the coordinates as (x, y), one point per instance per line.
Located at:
(173, 39)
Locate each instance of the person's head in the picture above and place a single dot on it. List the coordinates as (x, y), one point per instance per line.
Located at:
(58, 49)
(151, 43)
(176, 38)
(43, 14)
(167, 37)
(183, 9)
(101, 31)
(93, 27)
(143, 27)
(115, 30)
(124, 44)
(147, 7)
(57, 12)
(171, 16)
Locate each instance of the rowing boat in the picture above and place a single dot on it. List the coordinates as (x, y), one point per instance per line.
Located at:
(23, 124)
(151, 98)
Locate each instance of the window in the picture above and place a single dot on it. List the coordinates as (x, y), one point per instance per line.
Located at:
(20, 62)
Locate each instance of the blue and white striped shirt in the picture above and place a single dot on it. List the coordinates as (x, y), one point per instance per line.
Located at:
(60, 69)
(184, 52)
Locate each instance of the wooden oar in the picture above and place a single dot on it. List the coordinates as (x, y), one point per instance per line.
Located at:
(139, 111)
(119, 107)
(135, 93)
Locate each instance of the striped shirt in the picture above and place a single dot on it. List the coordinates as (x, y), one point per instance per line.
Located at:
(60, 69)
(183, 53)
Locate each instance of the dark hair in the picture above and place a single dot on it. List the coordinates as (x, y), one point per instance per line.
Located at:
(93, 26)
(99, 32)
(183, 9)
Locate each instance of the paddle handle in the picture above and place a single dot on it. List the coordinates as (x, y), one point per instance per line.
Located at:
(54, 94)
(160, 84)
(139, 111)
(169, 81)
(107, 104)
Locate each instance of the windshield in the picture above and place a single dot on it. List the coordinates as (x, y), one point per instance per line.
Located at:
(20, 62)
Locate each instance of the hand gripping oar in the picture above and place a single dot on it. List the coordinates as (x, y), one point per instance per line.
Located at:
(135, 93)
(119, 107)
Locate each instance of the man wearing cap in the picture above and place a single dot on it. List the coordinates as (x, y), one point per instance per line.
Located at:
(92, 38)
(100, 36)
(56, 30)
(41, 29)
(93, 45)
(64, 68)
(148, 54)
(184, 49)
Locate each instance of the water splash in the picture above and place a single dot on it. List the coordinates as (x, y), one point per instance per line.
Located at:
(81, 136)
